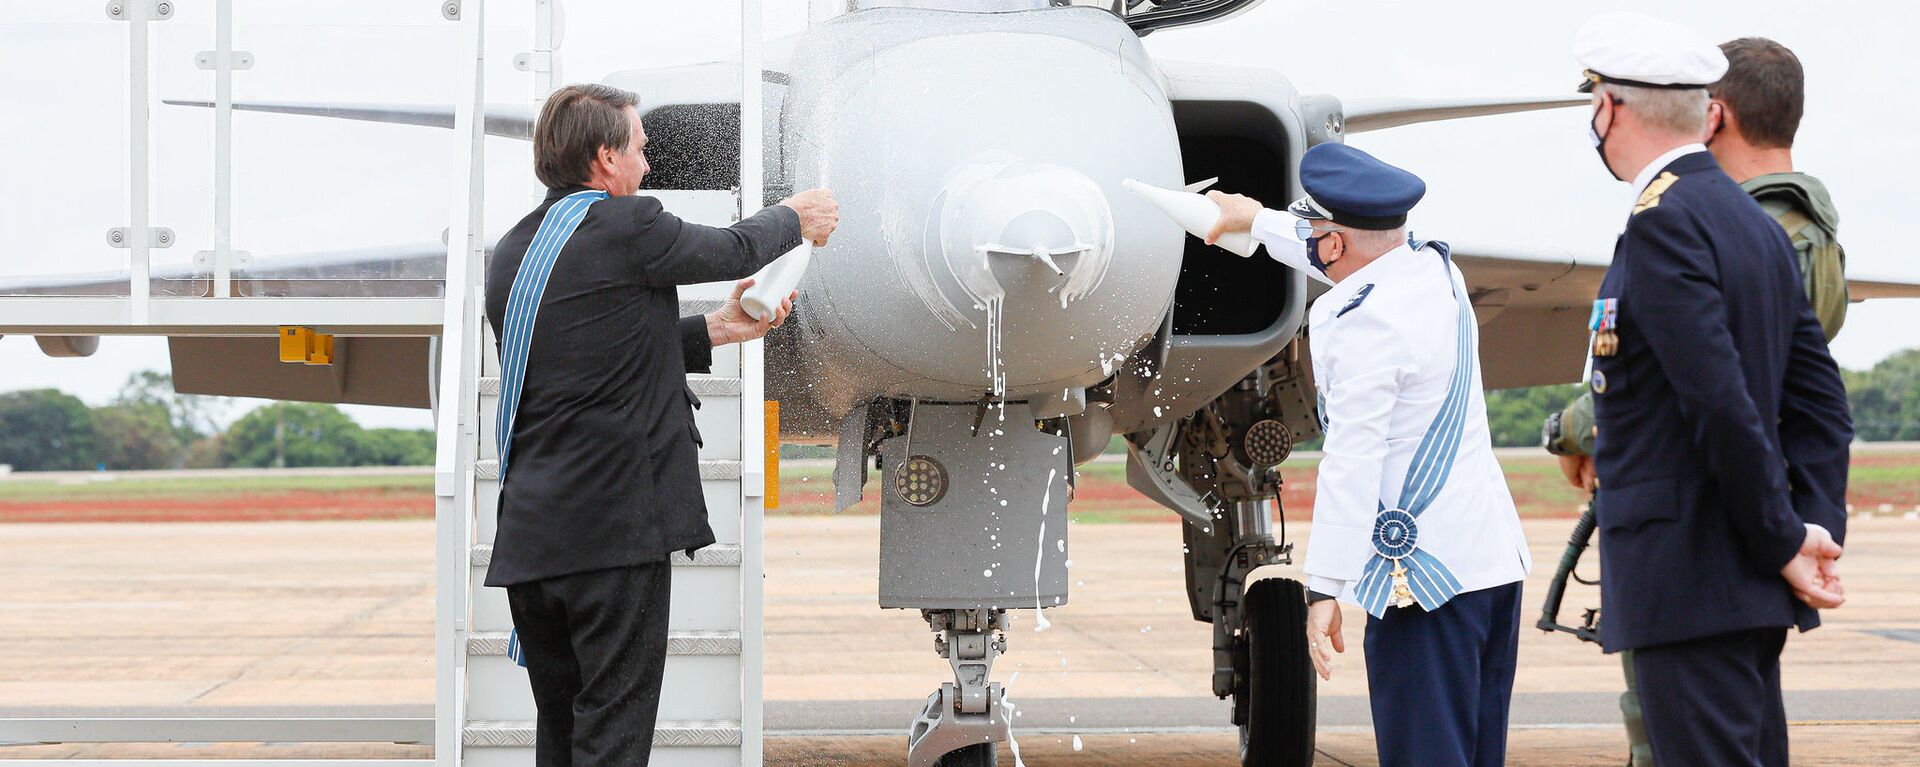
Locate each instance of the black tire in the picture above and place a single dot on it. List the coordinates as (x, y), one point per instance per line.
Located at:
(1279, 728)
(982, 755)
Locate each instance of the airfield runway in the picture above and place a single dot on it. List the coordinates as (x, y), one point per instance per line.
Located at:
(334, 618)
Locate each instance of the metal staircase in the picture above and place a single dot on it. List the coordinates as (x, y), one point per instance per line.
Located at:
(708, 714)
(710, 704)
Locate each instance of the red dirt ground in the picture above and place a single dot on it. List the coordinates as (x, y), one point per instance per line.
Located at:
(302, 505)
(1097, 499)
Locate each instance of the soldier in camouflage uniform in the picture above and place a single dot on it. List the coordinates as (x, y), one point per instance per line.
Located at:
(1751, 121)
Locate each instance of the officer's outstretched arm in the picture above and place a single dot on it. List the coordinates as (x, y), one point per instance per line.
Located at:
(1274, 229)
(1815, 429)
(1367, 364)
(1678, 305)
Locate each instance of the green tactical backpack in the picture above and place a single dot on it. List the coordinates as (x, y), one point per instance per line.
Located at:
(1823, 263)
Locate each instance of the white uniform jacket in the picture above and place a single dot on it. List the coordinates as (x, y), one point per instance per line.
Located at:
(1384, 345)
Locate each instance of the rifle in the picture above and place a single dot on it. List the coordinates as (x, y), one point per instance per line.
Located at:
(1589, 628)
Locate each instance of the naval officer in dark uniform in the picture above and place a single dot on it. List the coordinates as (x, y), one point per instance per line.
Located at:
(1704, 346)
(600, 478)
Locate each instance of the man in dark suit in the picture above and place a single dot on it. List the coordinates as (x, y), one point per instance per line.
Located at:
(599, 471)
(1710, 371)
(1751, 121)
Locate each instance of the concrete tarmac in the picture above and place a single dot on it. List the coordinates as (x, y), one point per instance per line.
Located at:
(335, 618)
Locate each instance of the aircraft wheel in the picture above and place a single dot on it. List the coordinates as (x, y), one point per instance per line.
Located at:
(1279, 725)
(982, 755)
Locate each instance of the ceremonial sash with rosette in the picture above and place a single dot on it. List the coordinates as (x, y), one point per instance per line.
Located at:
(1400, 573)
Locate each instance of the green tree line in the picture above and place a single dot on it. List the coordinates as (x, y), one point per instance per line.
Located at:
(149, 426)
(1885, 401)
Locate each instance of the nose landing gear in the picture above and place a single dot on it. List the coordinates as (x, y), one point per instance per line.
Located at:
(965, 718)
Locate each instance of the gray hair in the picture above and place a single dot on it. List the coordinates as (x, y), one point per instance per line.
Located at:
(1681, 111)
(575, 123)
(1374, 242)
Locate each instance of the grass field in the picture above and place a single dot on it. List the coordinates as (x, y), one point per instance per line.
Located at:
(1881, 482)
(1889, 479)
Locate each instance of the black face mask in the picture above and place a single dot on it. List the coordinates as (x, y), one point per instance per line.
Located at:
(1600, 142)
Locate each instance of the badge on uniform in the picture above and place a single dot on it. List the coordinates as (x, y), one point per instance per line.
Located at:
(1603, 322)
(1354, 303)
(1651, 197)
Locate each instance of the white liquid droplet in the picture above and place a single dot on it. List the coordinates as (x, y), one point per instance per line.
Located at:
(1076, 743)
(987, 572)
(1040, 551)
(1006, 700)
(995, 329)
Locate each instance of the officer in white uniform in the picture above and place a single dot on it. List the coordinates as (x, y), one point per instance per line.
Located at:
(1412, 520)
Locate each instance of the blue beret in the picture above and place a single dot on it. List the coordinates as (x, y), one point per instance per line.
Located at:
(1353, 188)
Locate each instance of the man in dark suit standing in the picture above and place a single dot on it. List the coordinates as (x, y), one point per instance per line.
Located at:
(599, 470)
(1751, 122)
(1707, 359)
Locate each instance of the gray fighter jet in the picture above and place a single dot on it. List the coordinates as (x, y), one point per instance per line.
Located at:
(994, 308)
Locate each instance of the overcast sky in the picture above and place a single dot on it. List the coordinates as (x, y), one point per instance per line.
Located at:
(304, 184)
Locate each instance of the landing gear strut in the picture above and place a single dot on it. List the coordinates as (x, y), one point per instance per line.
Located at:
(972, 522)
(1219, 469)
(965, 718)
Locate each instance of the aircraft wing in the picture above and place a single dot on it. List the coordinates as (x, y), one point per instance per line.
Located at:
(412, 270)
(692, 116)
(1369, 114)
(1868, 288)
(369, 370)
(1533, 307)
(506, 120)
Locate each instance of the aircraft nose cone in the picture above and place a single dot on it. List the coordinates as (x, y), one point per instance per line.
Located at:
(1015, 213)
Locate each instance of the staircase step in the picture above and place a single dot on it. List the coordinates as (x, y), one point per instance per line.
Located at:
(666, 734)
(706, 385)
(717, 555)
(678, 643)
(711, 469)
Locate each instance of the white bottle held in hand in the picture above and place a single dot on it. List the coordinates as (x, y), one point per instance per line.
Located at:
(1194, 213)
(775, 281)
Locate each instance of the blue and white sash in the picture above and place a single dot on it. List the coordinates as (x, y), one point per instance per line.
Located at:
(1400, 573)
(523, 307)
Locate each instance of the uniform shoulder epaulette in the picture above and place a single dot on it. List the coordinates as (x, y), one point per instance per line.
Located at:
(1651, 197)
(1354, 302)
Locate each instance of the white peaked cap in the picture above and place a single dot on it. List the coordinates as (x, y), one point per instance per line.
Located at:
(1637, 49)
